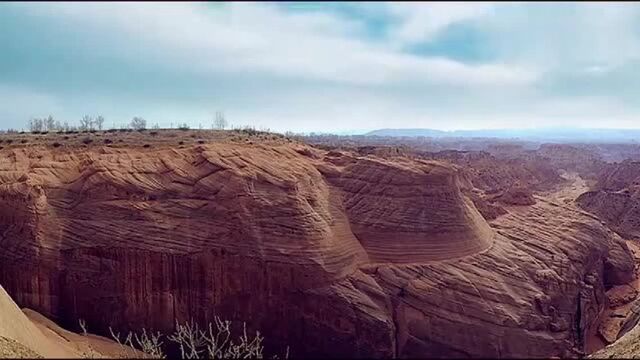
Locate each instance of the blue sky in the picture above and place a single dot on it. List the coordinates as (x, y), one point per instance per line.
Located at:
(324, 66)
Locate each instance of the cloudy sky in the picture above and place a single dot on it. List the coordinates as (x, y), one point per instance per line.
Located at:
(324, 66)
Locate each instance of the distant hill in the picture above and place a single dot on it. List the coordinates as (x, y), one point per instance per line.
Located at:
(542, 134)
(407, 132)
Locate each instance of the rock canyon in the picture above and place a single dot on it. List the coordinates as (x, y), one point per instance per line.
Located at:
(334, 250)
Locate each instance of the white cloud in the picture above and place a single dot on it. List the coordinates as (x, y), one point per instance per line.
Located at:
(553, 35)
(317, 71)
(422, 21)
(259, 37)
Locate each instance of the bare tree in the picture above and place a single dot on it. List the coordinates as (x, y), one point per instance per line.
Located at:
(99, 121)
(49, 123)
(35, 125)
(220, 121)
(138, 123)
(86, 123)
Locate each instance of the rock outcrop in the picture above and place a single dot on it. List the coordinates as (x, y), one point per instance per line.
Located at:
(492, 174)
(626, 347)
(615, 198)
(332, 253)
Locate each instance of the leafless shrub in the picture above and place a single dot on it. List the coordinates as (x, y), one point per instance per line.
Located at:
(90, 353)
(149, 344)
(83, 326)
(213, 342)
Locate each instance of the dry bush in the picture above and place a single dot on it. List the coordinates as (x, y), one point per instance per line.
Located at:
(213, 342)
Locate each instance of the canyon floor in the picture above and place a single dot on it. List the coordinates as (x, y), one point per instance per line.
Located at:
(334, 247)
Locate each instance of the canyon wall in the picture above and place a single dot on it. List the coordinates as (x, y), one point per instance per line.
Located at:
(332, 253)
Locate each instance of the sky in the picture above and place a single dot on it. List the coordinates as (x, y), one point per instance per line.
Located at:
(323, 67)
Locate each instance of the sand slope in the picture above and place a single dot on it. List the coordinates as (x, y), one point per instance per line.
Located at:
(16, 326)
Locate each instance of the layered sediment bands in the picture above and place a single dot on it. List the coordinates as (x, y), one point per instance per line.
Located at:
(535, 292)
(615, 198)
(331, 253)
(411, 212)
(492, 174)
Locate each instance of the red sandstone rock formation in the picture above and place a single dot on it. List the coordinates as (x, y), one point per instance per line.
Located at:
(332, 253)
(492, 174)
(515, 195)
(615, 198)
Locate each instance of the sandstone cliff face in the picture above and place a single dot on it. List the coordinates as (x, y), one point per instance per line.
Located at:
(332, 253)
(615, 198)
(584, 159)
(492, 174)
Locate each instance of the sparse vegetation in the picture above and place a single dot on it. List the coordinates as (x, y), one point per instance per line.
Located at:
(138, 123)
(99, 122)
(213, 342)
(86, 123)
(50, 132)
(220, 121)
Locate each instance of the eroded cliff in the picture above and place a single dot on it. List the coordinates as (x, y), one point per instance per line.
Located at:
(332, 253)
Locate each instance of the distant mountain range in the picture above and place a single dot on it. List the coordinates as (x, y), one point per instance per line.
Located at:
(540, 134)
